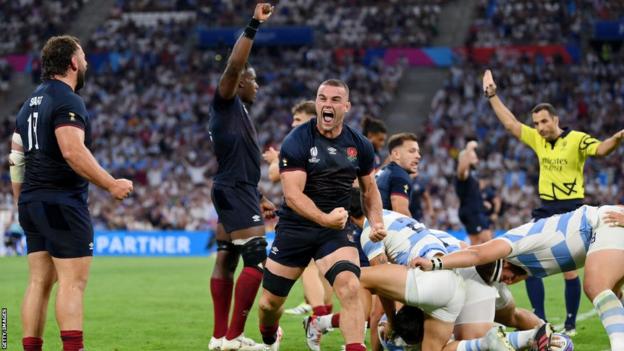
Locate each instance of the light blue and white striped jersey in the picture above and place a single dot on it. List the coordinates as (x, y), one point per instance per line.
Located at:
(451, 243)
(554, 244)
(406, 239)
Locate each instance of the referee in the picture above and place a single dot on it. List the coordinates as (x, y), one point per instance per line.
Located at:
(562, 153)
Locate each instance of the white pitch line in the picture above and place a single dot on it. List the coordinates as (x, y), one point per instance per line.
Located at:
(581, 317)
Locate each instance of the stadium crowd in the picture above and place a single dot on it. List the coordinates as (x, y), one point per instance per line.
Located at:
(588, 96)
(149, 102)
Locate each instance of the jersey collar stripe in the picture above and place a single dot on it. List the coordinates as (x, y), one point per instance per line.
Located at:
(531, 263)
(562, 254)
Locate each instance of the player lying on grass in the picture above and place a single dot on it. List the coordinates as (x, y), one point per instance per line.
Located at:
(560, 243)
(409, 238)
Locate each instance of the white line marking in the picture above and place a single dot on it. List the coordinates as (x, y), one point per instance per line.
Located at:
(580, 317)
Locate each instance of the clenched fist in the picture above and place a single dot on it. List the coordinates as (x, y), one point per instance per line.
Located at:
(489, 87)
(336, 219)
(120, 189)
(263, 11)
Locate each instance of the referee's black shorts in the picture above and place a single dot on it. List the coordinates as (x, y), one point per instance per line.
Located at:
(555, 207)
(63, 231)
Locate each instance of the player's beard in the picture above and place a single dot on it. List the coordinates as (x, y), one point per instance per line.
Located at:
(80, 80)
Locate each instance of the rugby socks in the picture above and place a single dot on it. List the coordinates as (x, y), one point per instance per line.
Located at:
(355, 347)
(321, 310)
(573, 300)
(535, 290)
(521, 339)
(31, 343)
(329, 308)
(247, 286)
(221, 290)
(269, 333)
(471, 345)
(611, 314)
(329, 321)
(72, 340)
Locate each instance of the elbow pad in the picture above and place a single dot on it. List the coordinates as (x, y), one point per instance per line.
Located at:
(17, 166)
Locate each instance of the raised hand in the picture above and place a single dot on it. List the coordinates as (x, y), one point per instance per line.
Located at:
(378, 232)
(489, 87)
(263, 11)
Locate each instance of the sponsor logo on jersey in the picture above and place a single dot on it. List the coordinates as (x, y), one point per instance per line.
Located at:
(331, 150)
(256, 218)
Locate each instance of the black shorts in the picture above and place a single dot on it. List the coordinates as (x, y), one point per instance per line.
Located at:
(554, 207)
(61, 230)
(238, 206)
(295, 245)
(474, 222)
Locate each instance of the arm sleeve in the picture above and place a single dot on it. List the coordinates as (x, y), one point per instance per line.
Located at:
(371, 249)
(588, 145)
(399, 185)
(71, 113)
(293, 154)
(366, 158)
(529, 136)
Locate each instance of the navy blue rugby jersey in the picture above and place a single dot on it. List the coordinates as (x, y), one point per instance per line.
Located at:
(469, 193)
(393, 180)
(48, 177)
(331, 166)
(234, 138)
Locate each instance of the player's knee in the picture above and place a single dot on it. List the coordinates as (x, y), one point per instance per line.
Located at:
(343, 276)
(253, 251)
(592, 288)
(268, 303)
(275, 284)
(339, 267)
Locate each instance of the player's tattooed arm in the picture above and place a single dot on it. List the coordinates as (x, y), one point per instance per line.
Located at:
(230, 80)
(507, 118)
(379, 259)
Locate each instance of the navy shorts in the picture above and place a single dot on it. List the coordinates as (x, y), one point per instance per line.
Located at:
(554, 207)
(238, 206)
(295, 245)
(61, 230)
(474, 222)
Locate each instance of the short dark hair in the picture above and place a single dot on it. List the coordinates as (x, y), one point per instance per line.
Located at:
(355, 208)
(409, 324)
(397, 140)
(373, 125)
(336, 83)
(56, 55)
(545, 106)
(517, 270)
(307, 106)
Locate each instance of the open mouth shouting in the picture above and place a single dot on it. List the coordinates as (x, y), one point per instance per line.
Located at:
(328, 116)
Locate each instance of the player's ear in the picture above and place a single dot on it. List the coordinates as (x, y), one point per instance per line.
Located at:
(348, 106)
(74, 63)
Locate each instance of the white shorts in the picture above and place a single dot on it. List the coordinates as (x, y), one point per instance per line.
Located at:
(439, 294)
(504, 296)
(606, 237)
(479, 301)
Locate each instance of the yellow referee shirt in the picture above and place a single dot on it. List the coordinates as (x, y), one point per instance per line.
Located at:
(561, 162)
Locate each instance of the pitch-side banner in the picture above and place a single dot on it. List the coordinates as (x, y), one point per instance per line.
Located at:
(270, 36)
(171, 243)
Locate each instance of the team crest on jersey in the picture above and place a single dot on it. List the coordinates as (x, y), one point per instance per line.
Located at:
(352, 153)
(313, 154)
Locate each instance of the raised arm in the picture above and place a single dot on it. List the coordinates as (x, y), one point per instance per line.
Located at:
(293, 183)
(467, 157)
(240, 53)
(507, 118)
(610, 144)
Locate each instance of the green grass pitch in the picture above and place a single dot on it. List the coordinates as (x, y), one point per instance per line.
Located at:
(164, 304)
